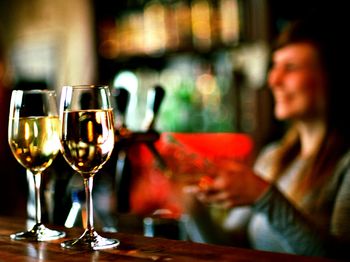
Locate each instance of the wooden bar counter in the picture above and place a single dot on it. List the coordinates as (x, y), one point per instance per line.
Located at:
(133, 247)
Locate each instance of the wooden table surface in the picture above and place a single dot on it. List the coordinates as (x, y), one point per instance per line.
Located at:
(133, 247)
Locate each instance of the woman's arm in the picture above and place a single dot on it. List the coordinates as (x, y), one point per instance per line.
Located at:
(231, 229)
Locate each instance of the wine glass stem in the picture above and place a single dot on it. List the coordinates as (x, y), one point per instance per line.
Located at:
(88, 183)
(37, 183)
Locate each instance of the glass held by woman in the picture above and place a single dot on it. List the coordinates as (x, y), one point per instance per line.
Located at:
(33, 136)
(87, 142)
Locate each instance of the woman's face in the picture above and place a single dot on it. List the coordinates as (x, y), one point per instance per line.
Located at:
(298, 83)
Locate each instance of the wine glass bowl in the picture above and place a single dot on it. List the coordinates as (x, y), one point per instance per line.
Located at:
(33, 136)
(87, 147)
(87, 142)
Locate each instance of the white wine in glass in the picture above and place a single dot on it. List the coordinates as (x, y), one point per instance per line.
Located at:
(33, 136)
(87, 142)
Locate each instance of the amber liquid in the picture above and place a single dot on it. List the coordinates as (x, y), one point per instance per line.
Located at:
(34, 141)
(87, 139)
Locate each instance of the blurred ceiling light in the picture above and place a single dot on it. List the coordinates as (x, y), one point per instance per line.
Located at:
(154, 28)
(201, 23)
(229, 21)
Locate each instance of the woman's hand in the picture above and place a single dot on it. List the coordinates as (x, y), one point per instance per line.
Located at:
(235, 184)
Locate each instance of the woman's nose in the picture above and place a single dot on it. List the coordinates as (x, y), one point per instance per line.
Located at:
(274, 78)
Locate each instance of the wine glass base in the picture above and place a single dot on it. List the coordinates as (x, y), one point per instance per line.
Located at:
(90, 240)
(39, 232)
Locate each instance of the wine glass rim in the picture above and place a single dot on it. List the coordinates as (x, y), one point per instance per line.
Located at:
(87, 86)
(34, 91)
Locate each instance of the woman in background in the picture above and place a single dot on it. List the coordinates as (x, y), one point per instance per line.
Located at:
(296, 199)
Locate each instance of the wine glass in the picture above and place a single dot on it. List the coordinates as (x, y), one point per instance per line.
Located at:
(87, 142)
(33, 136)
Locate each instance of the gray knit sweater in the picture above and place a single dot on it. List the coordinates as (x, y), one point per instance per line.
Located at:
(309, 227)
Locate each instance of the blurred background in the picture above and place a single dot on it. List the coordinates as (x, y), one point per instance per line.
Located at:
(211, 58)
(210, 55)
